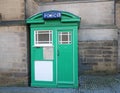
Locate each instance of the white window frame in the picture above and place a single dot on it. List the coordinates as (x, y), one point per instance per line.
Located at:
(64, 42)
(50, 43)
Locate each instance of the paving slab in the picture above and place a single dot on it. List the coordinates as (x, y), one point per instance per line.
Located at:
(87, 84)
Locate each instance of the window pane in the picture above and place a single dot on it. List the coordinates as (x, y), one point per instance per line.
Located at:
(43, 37)
(64, 38)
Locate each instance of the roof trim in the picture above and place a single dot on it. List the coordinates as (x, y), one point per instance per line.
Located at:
(65, 17)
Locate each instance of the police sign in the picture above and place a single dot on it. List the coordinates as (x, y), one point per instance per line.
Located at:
(52, 15)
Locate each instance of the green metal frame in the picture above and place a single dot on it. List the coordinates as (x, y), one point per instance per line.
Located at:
(68, 22)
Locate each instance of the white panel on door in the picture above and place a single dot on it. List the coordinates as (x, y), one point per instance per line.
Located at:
(43, 70)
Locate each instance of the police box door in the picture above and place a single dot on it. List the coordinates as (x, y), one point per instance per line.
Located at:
(65, 61)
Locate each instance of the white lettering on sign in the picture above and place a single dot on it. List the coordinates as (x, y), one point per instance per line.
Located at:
(52, 15)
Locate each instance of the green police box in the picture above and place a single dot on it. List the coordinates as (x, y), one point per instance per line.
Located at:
(54, 49)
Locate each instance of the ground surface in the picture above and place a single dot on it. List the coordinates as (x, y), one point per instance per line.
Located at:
(88, 84)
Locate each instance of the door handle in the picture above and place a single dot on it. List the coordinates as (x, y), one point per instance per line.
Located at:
(58, 53)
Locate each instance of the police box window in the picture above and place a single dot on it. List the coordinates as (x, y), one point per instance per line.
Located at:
(64, 38)
(43, 38)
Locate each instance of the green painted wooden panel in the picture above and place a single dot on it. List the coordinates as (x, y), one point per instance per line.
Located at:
(68, 59)
(65, 61)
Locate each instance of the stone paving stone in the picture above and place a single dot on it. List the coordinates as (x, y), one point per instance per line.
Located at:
(88, 84)
(116, 88)
(94, 82)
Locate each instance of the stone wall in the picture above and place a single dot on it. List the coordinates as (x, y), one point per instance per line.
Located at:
(31, 7)
(118, 25)
(118, 14)
(12, 9)
(13, 56)
(98, 56)
(13, 44)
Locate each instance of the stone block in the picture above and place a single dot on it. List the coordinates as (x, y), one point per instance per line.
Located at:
(32, 7)
(92, 13)
(94, 59)
(98, 34)
(12, 10)
(108, 59)
(93, 51)
(103, 66)
(108, 43)
(107, 52)
(118, 14)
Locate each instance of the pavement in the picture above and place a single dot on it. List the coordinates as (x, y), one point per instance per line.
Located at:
(88, 84)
